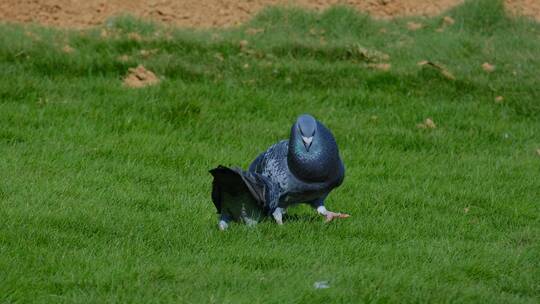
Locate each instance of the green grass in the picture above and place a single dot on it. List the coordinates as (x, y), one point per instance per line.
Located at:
(105, 191)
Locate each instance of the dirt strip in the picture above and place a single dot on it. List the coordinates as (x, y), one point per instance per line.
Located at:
(212, 13)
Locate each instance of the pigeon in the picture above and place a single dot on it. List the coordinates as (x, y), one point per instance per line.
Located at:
(302, 169)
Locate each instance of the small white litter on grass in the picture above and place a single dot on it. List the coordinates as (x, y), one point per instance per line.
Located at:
(321, 285)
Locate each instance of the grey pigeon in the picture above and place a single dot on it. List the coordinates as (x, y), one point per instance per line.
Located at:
(302, 169)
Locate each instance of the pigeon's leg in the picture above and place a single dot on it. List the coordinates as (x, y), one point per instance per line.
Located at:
(278, 215)
(223, 222)
(329, 215)
(248, 219)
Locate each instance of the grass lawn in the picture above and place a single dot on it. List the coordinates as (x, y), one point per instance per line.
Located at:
(105, 190)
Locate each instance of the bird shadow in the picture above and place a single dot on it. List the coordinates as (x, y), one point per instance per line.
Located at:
(306, 218)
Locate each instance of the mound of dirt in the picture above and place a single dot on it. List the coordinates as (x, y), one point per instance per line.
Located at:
(211, 13)
(140, 77)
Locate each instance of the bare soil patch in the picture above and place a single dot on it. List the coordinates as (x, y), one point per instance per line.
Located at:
(211, 13)
(140, 77)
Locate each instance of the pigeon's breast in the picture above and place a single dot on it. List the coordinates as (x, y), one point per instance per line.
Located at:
(301, 197)
(292, 190)
(301, 192)
(318, 164)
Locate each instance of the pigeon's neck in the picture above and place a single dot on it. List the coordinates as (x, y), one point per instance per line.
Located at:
(321, 163)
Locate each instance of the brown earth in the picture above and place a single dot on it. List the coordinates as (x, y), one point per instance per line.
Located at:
(140, 77)
(211, 13)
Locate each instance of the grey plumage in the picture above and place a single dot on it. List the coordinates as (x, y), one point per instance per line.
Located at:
(302, 169)
(302, 176)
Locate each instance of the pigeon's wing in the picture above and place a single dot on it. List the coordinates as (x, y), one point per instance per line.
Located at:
(228, 181)
(271, 192)
(234, 190)
(256, 165)
(271, 167)
(262, 163)
(273, 161)
(234, 182)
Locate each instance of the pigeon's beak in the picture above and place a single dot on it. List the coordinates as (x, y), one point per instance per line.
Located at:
(307, 142)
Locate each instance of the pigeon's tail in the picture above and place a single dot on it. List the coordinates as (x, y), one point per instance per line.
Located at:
(240, 195)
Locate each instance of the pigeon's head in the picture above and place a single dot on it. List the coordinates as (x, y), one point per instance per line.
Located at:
(306, 127)
(313, 153)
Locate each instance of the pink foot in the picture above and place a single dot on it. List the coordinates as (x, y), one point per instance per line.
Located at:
(333, 215)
